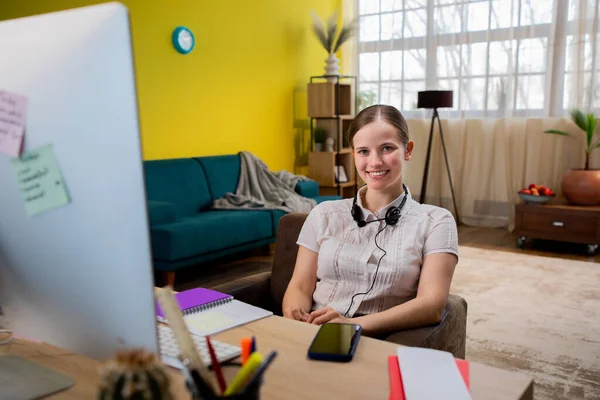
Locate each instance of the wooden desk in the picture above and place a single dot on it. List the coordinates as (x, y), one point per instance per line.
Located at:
(292, 375)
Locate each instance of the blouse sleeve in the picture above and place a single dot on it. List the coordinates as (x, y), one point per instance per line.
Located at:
(442, 235)
(308, 236)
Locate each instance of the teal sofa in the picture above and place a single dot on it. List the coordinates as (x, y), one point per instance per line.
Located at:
(185, 231)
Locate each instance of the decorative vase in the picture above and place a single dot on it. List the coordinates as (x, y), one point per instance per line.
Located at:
(332, 67)
(329, 145)
(318, 146)
(581, 187)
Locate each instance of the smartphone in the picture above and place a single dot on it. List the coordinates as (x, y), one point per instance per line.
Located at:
(335, 342)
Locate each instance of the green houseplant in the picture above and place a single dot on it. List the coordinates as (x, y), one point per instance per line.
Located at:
(582, 186)
(320, 135)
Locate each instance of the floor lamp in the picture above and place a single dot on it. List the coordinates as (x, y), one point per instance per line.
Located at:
(436, 99)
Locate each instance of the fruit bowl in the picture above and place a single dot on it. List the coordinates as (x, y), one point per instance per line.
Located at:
(531, 198)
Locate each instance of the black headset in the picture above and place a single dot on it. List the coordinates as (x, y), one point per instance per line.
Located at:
(392, 215)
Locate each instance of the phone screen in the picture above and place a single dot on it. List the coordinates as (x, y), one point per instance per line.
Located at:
(336, 339)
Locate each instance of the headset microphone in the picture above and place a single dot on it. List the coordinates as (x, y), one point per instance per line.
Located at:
(391, 216)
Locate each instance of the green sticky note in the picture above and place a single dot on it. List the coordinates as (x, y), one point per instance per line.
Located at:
(41, 183)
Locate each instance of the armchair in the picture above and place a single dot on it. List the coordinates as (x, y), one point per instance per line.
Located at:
(266, 290)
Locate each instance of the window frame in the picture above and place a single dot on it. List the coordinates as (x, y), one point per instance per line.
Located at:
(555, 31)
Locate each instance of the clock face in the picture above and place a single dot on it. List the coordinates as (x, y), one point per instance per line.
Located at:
(183, 40)
(186, 41)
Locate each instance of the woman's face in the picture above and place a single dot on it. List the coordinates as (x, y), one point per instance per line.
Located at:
(379, 155)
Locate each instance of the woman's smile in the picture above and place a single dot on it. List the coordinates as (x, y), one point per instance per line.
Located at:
(380, 174)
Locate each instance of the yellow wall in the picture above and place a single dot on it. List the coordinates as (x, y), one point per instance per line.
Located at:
(235, 91)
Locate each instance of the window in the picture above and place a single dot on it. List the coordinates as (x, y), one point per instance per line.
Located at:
(494, 54)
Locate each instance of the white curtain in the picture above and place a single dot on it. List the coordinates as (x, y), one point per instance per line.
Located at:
(515, 67)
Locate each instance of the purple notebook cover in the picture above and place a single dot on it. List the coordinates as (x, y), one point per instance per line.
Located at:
(194, 298)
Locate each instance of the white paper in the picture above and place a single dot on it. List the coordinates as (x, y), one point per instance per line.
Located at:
(225, 316)
(430, 375)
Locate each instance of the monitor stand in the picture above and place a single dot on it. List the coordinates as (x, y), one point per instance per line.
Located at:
(21, 379)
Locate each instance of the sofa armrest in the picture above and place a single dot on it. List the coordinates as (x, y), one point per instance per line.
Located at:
(308, 188)
(254, 289)
(161, 212)
(449, 335)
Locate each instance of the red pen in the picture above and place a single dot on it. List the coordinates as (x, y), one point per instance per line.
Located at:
(216, 366)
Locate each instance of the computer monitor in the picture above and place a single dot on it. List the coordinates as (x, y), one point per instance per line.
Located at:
(78, 276)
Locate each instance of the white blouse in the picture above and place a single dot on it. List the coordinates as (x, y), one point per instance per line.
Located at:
(348, 255)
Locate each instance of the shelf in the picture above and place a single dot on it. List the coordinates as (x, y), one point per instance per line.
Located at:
(345, 150)
(321, 166)
(331, 108)
(346, 190)
(323, 100)
(345, 184)
(343, 116)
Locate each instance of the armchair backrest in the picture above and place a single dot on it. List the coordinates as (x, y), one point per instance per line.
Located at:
(284, 258)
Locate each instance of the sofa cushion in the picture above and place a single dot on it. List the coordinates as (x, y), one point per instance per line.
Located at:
(307, 188)
(320, 199)
(209, 231)
(161, 212)
(180, 182)
(222, 173)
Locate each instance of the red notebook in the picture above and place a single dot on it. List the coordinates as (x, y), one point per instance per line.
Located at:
(396, 388)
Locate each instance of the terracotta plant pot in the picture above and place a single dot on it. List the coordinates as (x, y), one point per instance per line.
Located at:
(581, 187)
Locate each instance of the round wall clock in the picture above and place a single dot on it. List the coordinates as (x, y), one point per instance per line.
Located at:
(183, 40)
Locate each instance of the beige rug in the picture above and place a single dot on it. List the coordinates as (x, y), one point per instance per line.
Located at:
(536, 315)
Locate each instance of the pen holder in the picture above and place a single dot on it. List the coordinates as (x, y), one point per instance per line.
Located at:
(249, 393)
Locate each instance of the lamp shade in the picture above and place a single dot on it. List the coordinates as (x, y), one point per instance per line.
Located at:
(435, 99)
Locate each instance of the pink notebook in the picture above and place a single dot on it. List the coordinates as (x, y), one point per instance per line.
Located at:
(197, 300)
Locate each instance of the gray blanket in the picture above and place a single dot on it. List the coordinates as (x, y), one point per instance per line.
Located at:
(258, 188)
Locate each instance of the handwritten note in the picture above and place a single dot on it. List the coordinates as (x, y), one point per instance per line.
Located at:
(41, 183)
(13, 113)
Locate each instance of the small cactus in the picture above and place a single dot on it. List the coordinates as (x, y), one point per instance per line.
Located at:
(134, 375)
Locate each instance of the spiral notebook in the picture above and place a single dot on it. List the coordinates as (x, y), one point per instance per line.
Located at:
(207, 311)
(197, 300)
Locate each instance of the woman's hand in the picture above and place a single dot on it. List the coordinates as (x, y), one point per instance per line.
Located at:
(296, 313)
(327, 314)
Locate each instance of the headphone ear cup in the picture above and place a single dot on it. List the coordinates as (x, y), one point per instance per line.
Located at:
(392, 216)
(356, 213)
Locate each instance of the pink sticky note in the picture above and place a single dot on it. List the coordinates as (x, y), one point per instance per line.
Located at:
(13, 114)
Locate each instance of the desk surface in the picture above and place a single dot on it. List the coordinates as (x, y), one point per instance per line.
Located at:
(292, 375)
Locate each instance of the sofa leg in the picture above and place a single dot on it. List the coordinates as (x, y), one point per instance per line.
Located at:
(168, 278)
(266, 250)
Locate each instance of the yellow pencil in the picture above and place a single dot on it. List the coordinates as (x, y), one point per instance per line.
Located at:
(246, 372)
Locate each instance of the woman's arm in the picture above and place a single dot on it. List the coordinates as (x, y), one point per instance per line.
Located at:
(297, 301)
(426, 308)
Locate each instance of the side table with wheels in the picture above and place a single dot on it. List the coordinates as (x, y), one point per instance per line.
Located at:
(575, 224)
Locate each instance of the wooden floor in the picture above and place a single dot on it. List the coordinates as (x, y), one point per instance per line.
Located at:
(255, 262)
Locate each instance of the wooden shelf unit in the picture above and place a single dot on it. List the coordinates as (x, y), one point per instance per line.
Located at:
(337, 129)
(322, 102)
(321, 167)
(331, 106)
